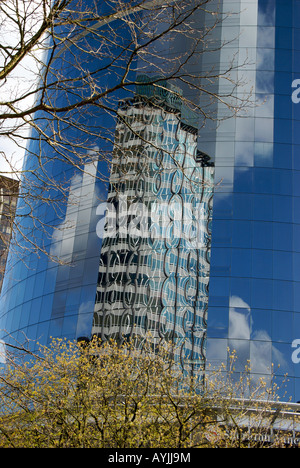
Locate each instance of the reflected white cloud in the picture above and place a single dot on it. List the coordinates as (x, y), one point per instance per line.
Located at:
(263, 353)
(239, 325)
(249, 12)
(244, 153)
(236, 301)
(79, 207)
(265, 105)
(84, 319)
(250, 345)
(2, 352)
(265, 82)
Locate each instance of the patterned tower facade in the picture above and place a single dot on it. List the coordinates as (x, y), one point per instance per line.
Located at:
(155, 257)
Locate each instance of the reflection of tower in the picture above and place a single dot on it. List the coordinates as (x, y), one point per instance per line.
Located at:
(154, 266)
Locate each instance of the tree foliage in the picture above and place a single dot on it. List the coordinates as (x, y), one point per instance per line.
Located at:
(102, 395)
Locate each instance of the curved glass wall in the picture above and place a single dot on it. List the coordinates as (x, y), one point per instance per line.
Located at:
(253, 302)
(42, 298)
(64, 181)
(254, 283)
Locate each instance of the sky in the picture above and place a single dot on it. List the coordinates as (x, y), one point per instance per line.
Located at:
(23, 76)
(18, 82)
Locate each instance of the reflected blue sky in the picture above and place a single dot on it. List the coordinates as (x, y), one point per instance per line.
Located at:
(254, 293)
(254, 284)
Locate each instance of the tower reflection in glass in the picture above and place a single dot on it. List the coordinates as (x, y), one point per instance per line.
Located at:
(155, 257)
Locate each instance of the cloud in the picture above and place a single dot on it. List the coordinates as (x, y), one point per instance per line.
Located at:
(79, 206)
(239, 326)
(18, 84)
(236, 301)
(262, 353)
(2, 352)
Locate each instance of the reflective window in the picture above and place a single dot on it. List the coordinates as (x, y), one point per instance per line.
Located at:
(283, 265)
(281, 359)
(244, 154)
(284, 14)
(241, 290)
(248, 266)
(282, 236)
(243, 180)
(264, 130)
(263, 154)
(282, 328)
(263, 180)
(283, 295)
(239, 323)
(243, 206)
(283, 156)
(262, 234)
(242, 350)
(283, 208)
(261, 357)
(283, 131)
(242, 234)
(261, 325)
(263, 207)
(262, 263)
(221, 261)
(218, 322)
(266, 13)
(262, 293)
(217, 352)
(241, 262)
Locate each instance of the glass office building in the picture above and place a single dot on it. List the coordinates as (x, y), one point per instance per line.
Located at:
(254, 279)
(249, 184)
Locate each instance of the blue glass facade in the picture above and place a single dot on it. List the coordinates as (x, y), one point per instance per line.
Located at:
(43, 298)
(254, 293)
(254, 282)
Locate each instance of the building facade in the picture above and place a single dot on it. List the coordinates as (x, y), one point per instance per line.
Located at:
(9, 189)
(254, 279)
(239, 287)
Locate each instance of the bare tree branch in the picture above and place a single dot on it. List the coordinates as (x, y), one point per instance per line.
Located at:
(85, 57)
